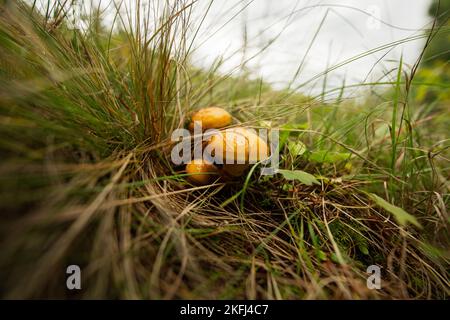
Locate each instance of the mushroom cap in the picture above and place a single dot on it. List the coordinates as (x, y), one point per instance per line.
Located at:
(238, 146)
(258, 148)
(203, 172)
(210, 118)
(229, 146)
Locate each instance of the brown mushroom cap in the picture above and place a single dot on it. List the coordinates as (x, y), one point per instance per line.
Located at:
(202, 172)
(241, 144)
(229, 146)
(237, 148)
(210, 118)
(258, 148)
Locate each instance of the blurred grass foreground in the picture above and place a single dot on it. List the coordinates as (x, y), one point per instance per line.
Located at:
(86, 116)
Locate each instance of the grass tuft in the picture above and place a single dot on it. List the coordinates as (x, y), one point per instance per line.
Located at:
(86, 178)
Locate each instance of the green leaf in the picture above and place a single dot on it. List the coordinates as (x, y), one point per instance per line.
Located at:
(295, 126)
(334, 258)
(302, 176)
(296, 148)
(321, 255)
(325, 156)
(290, 130)
(284, 136)
(362, 246)
(400, 215)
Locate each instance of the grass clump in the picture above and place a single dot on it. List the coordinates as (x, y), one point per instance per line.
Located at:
(86, 177)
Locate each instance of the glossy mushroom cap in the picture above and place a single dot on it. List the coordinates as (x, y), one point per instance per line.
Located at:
(258, 148)
(210, 118)
(202, 172)
(229, 146)
(236, 148)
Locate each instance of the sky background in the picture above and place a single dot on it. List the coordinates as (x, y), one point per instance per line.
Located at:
(293, 42)
(349, 28)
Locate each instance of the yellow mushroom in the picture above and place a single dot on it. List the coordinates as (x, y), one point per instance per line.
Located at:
(258, 148)
(236, 148)
(229, 146)
(202, 172)
(210, 118)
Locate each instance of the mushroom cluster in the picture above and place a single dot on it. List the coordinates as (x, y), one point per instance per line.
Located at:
(233, 149)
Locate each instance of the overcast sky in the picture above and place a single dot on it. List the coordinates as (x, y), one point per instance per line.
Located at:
(349, 28)
(306, 37)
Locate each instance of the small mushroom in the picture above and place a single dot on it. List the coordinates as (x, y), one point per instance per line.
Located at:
(212, 117)
(236, 148)
(258, 148)
(202, 172)
(229, 146)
